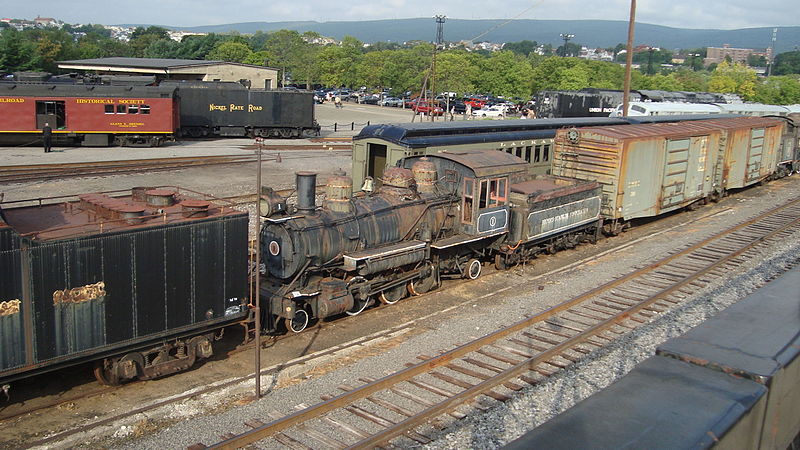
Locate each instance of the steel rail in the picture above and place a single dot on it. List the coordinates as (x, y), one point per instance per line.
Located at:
(407, 425)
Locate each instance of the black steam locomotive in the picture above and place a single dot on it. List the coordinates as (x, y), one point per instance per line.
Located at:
(434, 215)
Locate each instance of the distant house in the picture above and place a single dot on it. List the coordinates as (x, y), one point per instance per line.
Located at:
(179, 69)
(45, 21)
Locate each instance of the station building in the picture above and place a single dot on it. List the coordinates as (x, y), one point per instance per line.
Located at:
(179, 70)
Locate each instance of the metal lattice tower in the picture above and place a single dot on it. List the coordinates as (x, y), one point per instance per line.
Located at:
(440, 30)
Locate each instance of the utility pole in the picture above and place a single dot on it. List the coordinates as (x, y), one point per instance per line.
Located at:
(439, 43)
(566, 37)
(257, 308)
(629, 61)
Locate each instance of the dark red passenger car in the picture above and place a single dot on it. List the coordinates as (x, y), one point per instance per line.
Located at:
(89, 115)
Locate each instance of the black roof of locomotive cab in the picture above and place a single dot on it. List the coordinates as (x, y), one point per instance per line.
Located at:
(482, 163)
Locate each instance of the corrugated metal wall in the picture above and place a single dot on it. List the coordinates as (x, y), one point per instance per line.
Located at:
(101, 292)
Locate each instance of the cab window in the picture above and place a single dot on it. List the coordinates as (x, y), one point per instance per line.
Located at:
(493, 193)
(467, 201)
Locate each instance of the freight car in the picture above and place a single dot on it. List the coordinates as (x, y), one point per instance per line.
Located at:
(230, 109)
(436, 215)
(732, 382)
(592, 102)
(650, 169)
(139, 282)
(89, 115)
(377, 147)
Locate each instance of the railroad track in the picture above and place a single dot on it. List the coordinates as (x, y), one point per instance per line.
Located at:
(394, 409)
(42, 172)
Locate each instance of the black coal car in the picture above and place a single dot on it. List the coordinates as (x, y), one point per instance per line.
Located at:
(230, 109)
(138, 283)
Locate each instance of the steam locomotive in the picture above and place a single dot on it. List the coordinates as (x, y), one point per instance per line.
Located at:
(436, 215)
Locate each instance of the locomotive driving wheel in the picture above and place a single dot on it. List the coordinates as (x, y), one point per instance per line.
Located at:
(393, 294)
(297, 323)
(473, 268)
(419, 286)
(358, 306)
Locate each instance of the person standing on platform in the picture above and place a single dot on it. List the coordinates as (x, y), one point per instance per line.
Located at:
(47, 137)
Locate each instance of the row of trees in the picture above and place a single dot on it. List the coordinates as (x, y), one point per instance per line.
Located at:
(517, 71)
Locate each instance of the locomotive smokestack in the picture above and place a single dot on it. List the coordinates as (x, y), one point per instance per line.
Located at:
(306, 191)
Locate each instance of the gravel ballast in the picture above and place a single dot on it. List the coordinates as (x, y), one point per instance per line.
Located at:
(483, 312)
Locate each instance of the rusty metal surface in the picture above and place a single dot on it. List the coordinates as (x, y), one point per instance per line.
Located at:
(672, 129)
(545, 187)
(486, 162)
(101, 213)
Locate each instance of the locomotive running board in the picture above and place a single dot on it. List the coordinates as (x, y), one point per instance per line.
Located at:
(351, 261)
(461, 239)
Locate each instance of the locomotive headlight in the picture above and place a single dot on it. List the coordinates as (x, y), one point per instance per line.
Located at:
(288, 309)
(274, 248)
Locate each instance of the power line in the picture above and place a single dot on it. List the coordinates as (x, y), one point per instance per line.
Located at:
(506, 22)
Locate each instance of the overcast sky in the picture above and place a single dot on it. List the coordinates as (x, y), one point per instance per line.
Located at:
(722, 14)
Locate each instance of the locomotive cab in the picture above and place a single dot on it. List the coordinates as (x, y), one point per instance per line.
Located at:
(481, 179)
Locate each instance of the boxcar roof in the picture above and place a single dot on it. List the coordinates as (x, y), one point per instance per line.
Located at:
(99, 213)
(427, 134)
(485, 163)
(691, 128)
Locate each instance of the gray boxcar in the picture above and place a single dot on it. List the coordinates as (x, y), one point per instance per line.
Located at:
(129, 280)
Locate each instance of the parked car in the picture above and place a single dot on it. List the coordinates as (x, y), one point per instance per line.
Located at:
(391, 101)
(492, 111)
(425, 107)
(474, 102)
(370, 99)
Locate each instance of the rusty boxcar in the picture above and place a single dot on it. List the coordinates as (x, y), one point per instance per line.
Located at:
(138, 282)
(650, 169)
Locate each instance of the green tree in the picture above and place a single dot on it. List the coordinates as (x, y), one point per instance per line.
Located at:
(736, 78)
(456, 72)
(337, 63)
(505, 73)
(198, 47)
(605, 75)
(756, 60)
(779, 90)
(162, 48)
(141, 38)
(230, 51)
(16, 52)
(523, 48)
(285, 48)
(786, 63)
(548, 73)
(689, 80)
